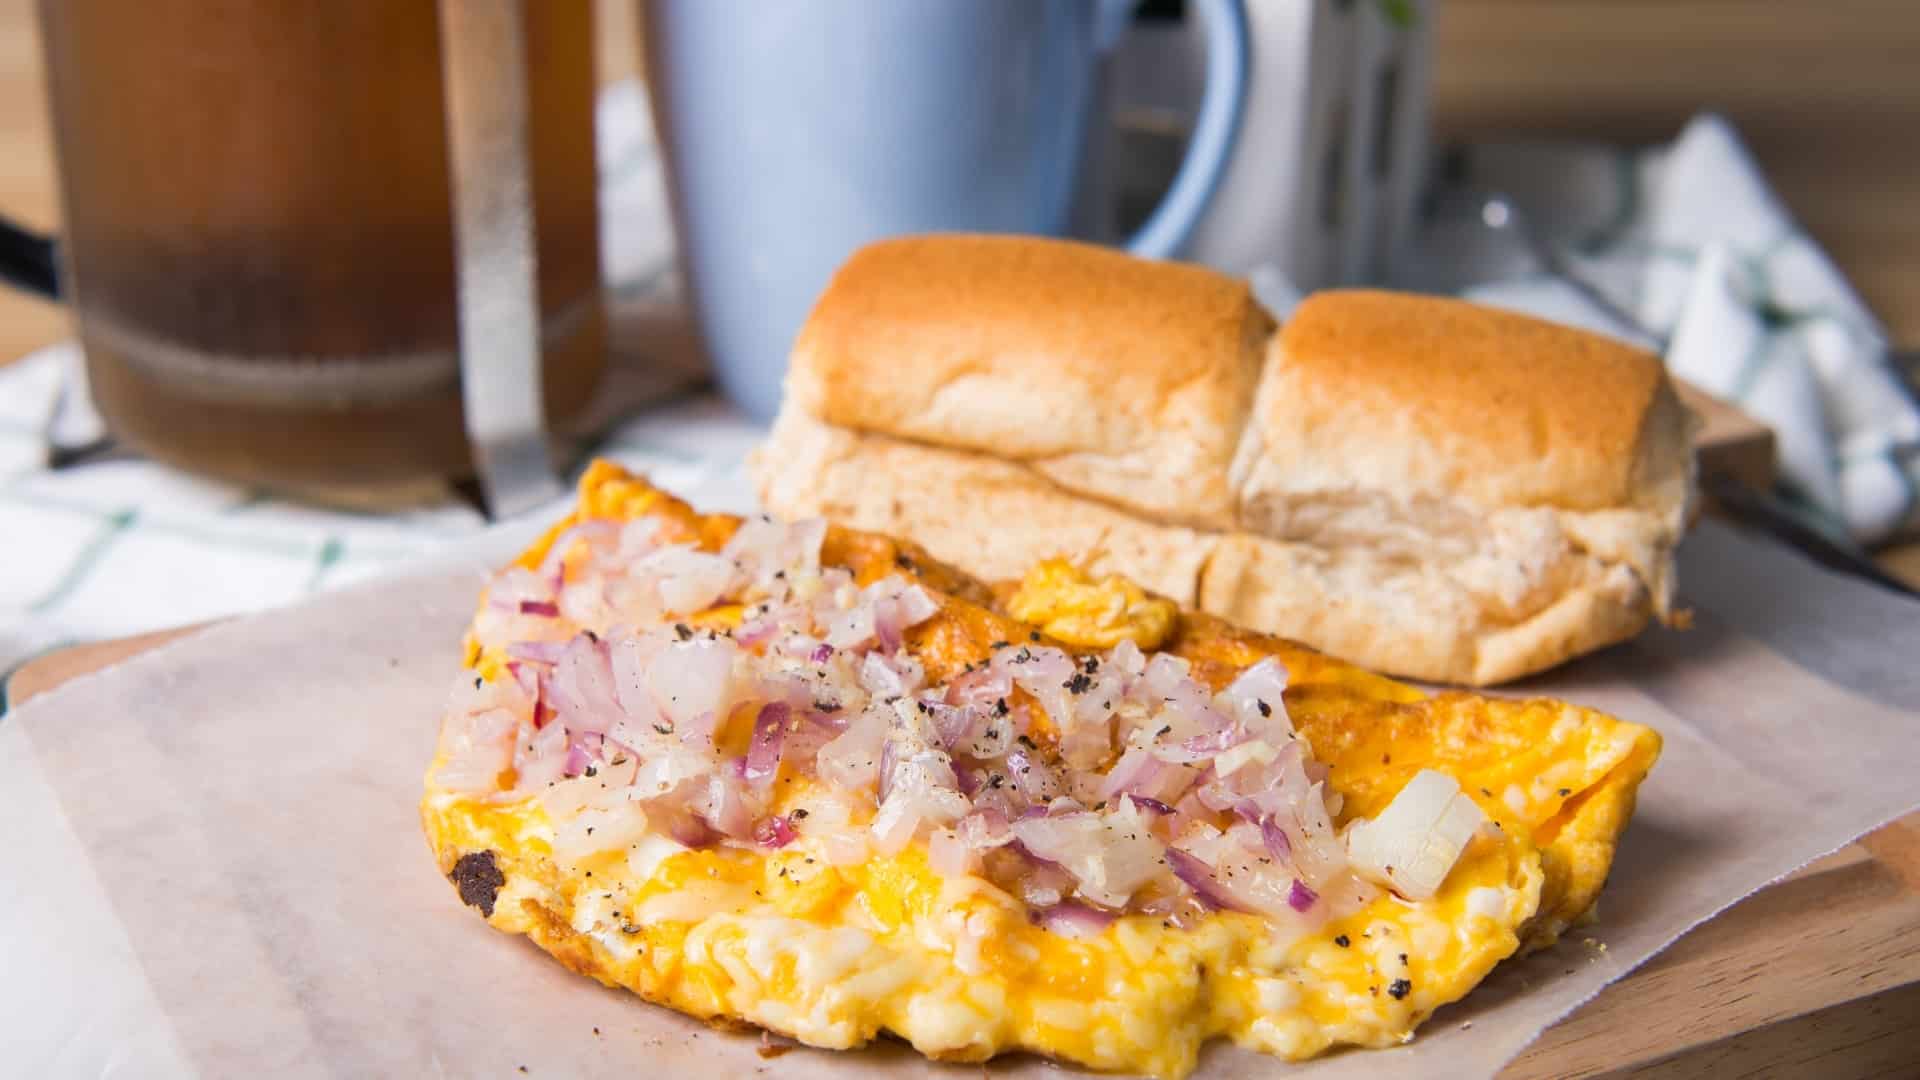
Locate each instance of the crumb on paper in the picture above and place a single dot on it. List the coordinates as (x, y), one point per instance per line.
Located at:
(770, 1048)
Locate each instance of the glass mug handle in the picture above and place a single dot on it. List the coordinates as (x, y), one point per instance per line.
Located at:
(1215, 130)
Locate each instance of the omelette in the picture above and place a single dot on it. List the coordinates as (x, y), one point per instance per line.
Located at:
(808, 779)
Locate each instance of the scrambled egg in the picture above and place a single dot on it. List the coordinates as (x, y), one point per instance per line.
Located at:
(1058, 598)
(834, 955)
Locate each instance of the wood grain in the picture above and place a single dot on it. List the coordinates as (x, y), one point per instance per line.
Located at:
(1821, 970)
(1729, 442)
(1826, 92)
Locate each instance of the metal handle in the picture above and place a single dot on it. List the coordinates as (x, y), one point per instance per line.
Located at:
(29, 260)
(484, 50)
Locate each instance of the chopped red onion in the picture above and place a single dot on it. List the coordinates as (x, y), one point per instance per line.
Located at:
(1033, 779)
(543, 759)
(582, 687)
(690, 831)
(553, 567)
(985, 828)
(887, 760)
(726, 807)
(895, 612)
(1255, 700)
(948, 853)
(1278, 846)
(1137, 772)
(774, 832)
(537, 652)
(763, 752)
(1199, 877)
(950, 725)
(985, 687)
(889, 676)
(968, 780)
(1072, 920)
(582, 751)
(756, 632)
(819, 664)
(691, 677)
(688, 580)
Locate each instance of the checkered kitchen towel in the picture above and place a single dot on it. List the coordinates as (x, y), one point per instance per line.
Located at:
(123, 546)
(1689, 239)
(1690, 242)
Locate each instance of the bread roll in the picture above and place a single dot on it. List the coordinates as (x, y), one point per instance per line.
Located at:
(1386, 415)
(1422, 486)
(990, 515)
(1120, 378)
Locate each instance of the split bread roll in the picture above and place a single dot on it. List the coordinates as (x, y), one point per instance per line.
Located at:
(1421, 486)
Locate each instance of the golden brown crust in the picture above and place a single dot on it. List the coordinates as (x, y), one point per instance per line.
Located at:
(1443, 490)
(1372, 734)
(1116, 377)
(1420, 395)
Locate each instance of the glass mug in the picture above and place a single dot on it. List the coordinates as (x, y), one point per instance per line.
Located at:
(259, 239)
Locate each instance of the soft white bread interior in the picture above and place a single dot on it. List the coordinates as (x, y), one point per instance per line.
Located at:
(1119, 378)
(1457, 612)
(1424, 487)
(990, 515)
(1436, 430)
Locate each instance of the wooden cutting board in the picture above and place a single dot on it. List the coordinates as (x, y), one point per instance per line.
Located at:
(1729, 443)
(1819, 972)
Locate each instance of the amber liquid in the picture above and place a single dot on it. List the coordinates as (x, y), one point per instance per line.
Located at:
(259, 232)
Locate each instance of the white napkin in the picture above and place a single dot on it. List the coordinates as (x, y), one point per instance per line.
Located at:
(1691, 241)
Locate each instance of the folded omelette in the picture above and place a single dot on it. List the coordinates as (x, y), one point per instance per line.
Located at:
(808, 779)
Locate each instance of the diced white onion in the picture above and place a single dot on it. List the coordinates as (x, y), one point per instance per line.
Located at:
(606, 667)
(1413, 844)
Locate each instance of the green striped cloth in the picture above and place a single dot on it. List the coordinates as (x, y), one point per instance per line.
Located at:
(1690, 241)
(123, 545)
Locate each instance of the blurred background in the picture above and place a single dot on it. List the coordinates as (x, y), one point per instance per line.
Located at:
(1826, 93)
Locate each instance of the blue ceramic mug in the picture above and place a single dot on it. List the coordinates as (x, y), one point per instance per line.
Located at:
(796, 132)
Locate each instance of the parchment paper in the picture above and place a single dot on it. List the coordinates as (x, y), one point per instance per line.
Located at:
(213, 862)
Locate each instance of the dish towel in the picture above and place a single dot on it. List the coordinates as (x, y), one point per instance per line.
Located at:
(1692, 244)
(123, 546)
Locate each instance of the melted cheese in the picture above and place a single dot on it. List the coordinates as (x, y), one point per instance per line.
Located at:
(834, 955)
